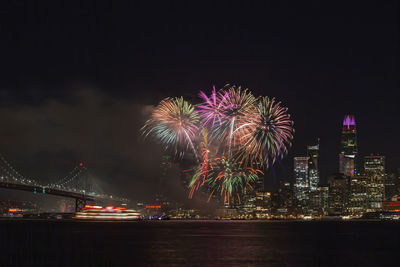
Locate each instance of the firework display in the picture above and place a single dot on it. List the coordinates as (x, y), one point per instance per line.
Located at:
(267, 137)
(226, 176)
(231, 134)
(174, 123)
(214, 108)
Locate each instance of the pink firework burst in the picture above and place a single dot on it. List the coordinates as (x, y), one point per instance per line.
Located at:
(213, 108)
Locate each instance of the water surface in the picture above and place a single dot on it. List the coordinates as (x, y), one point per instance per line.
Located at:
(199, 243)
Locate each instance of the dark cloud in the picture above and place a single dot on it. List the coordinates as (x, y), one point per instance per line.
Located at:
(49, 139)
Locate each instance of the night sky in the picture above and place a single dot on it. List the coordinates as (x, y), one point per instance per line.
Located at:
(78, 80)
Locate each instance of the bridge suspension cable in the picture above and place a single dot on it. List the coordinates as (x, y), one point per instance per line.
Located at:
(13, 173)
(70, 176)
(85, 183)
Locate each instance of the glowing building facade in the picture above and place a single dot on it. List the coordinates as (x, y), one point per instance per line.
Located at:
(374, 163)
(313, 172)
(285, 198)
(319, 201)
(374, 168)
(348, 148)
(263, 205)
(358, 202)
(338, 193)
(301, 187)
(391, 186)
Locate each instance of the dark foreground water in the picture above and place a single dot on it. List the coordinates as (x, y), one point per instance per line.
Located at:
(199, 243)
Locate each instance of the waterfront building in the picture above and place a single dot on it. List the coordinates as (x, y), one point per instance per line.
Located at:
(391, 186)
(348, 148)
(184, 213)
(301, 187)
(285, 199)
(275, 202)
(374, 170)
(324, 198)
(153, 209)
(263, 205)
(247, 206)
(313, 171)
(392, 205)
(227, 212)
(21, 207)
(319, 201)
(358, 201)
(338, 193)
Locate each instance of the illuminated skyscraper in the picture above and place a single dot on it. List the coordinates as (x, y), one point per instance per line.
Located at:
(374, 168)
(391, 185)
(374, 163)
(285, 199)
(263, 205)
(348, 148)
(338, 193)
(358, 198)
(319, 201)
(301, 187)
(313, 172)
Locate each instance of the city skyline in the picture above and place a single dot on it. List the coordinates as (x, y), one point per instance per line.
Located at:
(348, 121)
(270, 178)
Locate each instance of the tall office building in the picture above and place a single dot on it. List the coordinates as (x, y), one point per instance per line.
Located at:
(358, 199)
(313, 172)
(348, 148)
(248, 202)
(263, 205)
(247, 205)
(338, 193)
(374, 163)
(319, 201)
(391, 185)
(374, 169)
(285, 198)
(301, 187)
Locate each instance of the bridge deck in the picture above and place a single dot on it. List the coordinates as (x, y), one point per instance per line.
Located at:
(46, 190)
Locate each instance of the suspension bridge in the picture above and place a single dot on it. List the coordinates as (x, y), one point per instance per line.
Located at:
(79, 184)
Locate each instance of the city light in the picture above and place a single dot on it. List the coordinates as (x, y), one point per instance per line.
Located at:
(153, 207)
(13, 210)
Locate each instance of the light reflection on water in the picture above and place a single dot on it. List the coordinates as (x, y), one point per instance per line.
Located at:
(177, 243)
